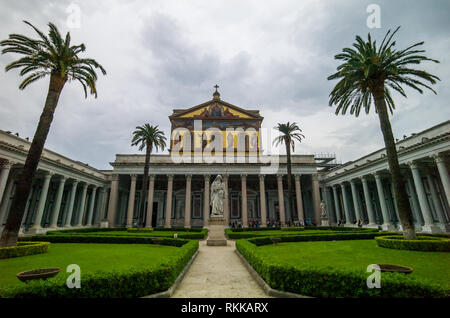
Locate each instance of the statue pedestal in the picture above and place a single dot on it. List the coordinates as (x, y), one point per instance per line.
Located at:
(216, 234)
(324, 221)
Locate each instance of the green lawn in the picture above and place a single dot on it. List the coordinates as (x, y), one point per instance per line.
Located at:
(357, 255)
(90, 257)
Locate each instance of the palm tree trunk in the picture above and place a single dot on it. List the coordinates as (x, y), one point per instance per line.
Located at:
(11, 231)
(404, 209)
(289, 180)
(142, 213)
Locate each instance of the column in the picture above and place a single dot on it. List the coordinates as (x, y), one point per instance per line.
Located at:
(262, 201)
(332, 219)
(436, 201)
(57, 206)
(113, 197)
(5, 201)
(299, 199)
(387, 225)
(42, 200)
(443, 173)
(169, 200)
(423, 202)
(369, 206)
(206, 200)
(316, 197)
(226, 206)
(187, 204)
(394, 198)
(131, 199)
(337, 206)
(103, 200)
(281, 199)
(346, 207)
(415, 203)
(244, 200)
(355, 197)
(4, 173)
(151, 189)
(91, 206)
(82, 205)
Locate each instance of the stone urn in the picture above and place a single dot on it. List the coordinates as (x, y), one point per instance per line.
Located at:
(42, 273)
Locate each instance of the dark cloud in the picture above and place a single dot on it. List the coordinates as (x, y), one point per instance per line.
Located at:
(274, 56)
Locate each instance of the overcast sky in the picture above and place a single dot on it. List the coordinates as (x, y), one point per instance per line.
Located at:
(274, 56)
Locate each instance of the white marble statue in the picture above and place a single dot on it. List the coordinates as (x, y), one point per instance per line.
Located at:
(217, 196)
(323, 208)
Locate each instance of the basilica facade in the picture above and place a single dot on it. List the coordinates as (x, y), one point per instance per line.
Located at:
(214, 138)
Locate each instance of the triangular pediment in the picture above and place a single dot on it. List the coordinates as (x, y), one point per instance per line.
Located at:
(216, 109)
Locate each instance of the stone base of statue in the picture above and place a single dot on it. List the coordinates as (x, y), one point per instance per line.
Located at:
(324, 221)
(216, 233)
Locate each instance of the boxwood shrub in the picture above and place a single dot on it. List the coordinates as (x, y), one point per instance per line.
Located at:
(86, 230)
(423, 243)
(129, 239)
(330, 282)
(130, 283)
(258, 241)
(294, 228)
(330, 235)
(192, 235)
(24, 249)
(179, 229)
(253, 229)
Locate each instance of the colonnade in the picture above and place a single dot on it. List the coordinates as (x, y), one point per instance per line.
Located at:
(130, 213)
(47, 211)
(428, 196)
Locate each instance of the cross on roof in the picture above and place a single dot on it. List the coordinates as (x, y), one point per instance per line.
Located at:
(216, 86)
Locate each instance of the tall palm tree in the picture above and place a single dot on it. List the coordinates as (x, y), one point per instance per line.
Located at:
(47, 55)
(368, 74)
(148, 137)
(289, 133)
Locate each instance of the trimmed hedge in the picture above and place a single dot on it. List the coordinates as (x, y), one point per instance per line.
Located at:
(295, 228)
(116, 284)
(329, 282)
(179, 229)
(258, 241)
(366, 234)
(135, 229)
(106, 239)
(253, 229)
(86, 230)
(338, 228)
(197, 234)
(423, 243)
(24, 249)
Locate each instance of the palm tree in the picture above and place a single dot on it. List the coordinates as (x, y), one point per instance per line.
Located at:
(148, 137)
(289, 133)
(48, 55)
(368, 74)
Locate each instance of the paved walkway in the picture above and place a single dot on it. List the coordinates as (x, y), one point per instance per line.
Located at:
(218, 272)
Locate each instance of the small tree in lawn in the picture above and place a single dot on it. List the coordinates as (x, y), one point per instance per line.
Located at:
(368, 74)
